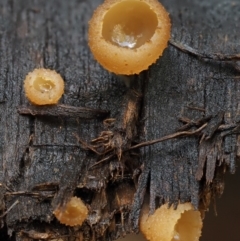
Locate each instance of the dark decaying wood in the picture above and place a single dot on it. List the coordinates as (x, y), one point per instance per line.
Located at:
(47, 157)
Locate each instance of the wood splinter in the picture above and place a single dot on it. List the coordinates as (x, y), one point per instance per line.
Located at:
(63, 111)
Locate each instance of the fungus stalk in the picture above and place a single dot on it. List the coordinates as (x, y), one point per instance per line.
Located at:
(43, 87)
(127, 36)
(167, 224)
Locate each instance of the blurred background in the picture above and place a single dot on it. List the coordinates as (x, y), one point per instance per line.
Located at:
(226, 225)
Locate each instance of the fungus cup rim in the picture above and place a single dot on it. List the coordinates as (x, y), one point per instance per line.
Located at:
(34, 95)
(166, 219)
(121, 60)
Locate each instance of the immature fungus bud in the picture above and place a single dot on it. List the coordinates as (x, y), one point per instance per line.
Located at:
(74, 213)
(167, 224)
(44, 86)
(126, 36)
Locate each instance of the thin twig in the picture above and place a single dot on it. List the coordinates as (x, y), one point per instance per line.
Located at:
(190, 123)
(31, 194)
(212, 56)
(227, 127)
(5, 186)
(196, 108)
(149, 143)
(168, 137)
(11, 207)
(103, 160)
(85, 145)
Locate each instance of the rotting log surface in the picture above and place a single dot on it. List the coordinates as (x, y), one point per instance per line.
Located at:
(42, 162)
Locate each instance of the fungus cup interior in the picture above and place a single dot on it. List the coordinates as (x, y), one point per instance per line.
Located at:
(129, 24)
(43, 85)
(169, 224)
(187, 226)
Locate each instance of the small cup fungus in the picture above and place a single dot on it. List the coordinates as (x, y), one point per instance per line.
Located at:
(43, 86)
(74, 213)
(127, 36)
(167, 224)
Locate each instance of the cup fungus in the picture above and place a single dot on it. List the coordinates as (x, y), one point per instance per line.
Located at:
(127, 36)
(43, 86)
(74, 213)
(167, 224)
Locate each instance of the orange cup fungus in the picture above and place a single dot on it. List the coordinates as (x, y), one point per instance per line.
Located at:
(167, 224)
(127, 36)
(44, 86)
(74, 213)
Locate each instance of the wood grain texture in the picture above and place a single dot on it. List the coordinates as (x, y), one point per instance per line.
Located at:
(43, 150)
